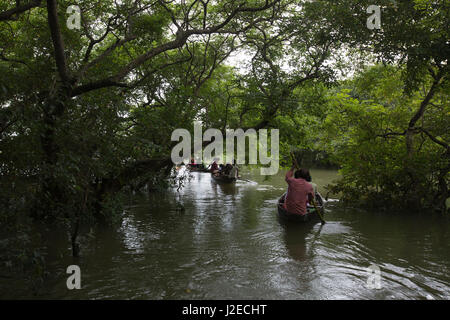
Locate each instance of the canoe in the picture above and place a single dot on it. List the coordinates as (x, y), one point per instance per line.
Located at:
(223, 179)
(310, 216)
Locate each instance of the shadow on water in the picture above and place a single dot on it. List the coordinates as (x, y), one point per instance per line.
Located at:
(225, 188)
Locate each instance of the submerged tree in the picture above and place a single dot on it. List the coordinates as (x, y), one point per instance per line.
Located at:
(73, 134)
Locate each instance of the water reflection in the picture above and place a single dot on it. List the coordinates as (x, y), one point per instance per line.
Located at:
(297, 238)
(228, 243)
(225, 188)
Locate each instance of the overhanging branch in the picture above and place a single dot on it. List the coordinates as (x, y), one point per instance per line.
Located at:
(178, 42)
(58, 44)
(9, 14)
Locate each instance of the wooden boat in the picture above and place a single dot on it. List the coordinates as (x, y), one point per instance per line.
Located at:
(310, 216)
(223, 179)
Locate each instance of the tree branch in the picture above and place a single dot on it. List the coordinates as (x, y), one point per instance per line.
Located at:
(432, 138)
(8, 14)
(437, 78)
(179, 41)
(58, 44)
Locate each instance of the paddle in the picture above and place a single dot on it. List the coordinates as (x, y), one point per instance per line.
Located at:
(318, 211)
(313, 201)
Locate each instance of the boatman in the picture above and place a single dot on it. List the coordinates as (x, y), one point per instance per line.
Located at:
(234, 172)
(299, 191)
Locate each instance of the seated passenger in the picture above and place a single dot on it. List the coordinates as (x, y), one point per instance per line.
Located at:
(214, 167)
(309, 179)
(234, 172)
(227, 169)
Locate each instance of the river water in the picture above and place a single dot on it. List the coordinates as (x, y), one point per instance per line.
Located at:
(228, 243)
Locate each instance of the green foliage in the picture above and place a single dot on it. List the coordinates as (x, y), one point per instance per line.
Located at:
(365, 132)
(70, 148)
(152, 25)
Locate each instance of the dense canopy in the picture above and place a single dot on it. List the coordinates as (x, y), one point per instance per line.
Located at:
(87, 113)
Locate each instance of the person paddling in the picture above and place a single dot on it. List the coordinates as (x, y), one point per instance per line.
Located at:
(299, 191)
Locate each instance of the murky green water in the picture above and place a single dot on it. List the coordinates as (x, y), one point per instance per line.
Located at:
(229, 244)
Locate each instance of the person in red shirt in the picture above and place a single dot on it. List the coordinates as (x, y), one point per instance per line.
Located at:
(214, 167)
(299, 191)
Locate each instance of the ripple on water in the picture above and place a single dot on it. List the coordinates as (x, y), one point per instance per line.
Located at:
(228, 244)
(269, 188)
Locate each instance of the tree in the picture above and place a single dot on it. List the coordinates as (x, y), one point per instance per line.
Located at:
(366, 129)
(68, 96)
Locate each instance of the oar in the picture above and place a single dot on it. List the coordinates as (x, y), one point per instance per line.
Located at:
(295, 160)
(318, 211)
(313, 198)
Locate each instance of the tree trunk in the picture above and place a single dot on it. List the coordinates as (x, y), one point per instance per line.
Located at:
(444, 192)
(74, 236)
(51, 188)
